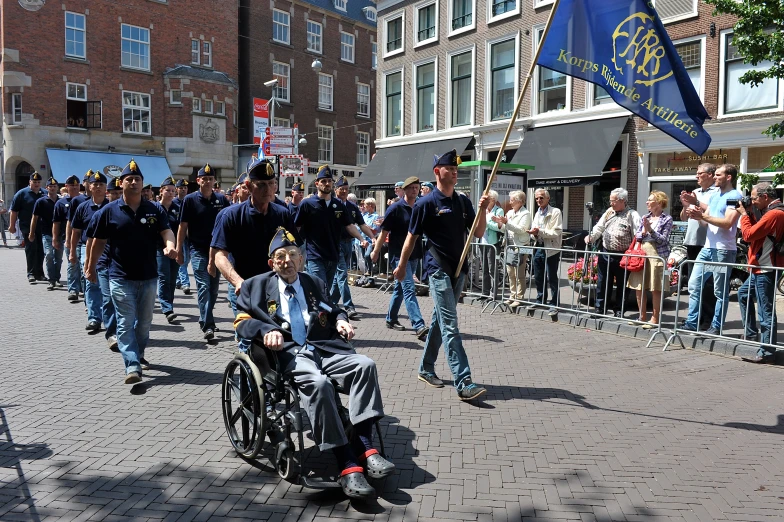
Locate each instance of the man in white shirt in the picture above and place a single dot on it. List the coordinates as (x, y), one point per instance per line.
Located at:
(546, 232)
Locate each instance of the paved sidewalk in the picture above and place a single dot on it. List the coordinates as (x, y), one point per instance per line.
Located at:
(577, 425)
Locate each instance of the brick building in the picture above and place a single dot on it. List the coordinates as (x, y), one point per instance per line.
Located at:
(92, 84)
(333, 108)
(450, 72)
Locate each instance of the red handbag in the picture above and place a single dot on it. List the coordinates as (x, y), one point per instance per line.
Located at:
(633, 264)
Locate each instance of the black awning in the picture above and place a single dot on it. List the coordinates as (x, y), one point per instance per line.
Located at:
(568, 151)
(393, 164)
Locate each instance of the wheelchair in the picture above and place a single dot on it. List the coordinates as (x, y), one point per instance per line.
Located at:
(261, 411)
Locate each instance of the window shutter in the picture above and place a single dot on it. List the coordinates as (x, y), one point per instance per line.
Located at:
(669, 9)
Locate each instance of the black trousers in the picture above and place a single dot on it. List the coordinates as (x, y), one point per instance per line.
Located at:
(609, 273)
(34, 255)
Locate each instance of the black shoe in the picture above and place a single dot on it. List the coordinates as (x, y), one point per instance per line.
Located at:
(144, 363)
(51, 286)
(186, 290)
(31, 280)
(355, 485)
(59, 284)
(395, 325)
(768, 359)
(73, 297)
(112, 342)
(431, 379)
(170, 316)
(470, 390)
(752, 337)
(618, 314)
(178, 285)
(209, 333)
(712, 331)
(422, 333)
(352, 313)
(686, 327)
(93, 326)
(378, 467)
(552, 312)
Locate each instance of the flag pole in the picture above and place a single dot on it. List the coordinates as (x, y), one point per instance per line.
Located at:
(508, 132)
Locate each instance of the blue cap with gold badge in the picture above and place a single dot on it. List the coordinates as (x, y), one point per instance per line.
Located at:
(72, 180)
(261, 169)
(98, 177)
(35, 176)
(181, 183)
(132, 169)
(206, 170)
(342, 182)
(88, 176)
(243, 177)
(114, 184)
(299, 187)
(168, 181)
(447, 159)
(324, 172)
(282, 238)
(52, 181)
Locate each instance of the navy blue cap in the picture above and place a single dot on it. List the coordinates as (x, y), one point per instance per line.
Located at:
(168, 181)
(147, 187)
(114, 184)
(282, 238)
(447, 159)
(206, 170)
(88, 176)
(51, 181)
(35, 176)
(98, 177)
(261, 169)
(243, 177)
(72, 180)
(342, 182)
(132, 169)
(181, 183)
(299, 187)
(324, 172)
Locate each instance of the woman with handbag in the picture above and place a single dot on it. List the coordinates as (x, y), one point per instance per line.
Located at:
(653, 236)
(517, 221)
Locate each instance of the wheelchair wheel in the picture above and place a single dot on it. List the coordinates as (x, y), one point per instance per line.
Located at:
(243, 409)
(286, 462)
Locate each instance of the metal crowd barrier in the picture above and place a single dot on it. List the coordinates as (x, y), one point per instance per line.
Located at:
(726, 269)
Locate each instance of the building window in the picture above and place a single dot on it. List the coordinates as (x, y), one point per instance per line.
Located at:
(363, 99)
(426, 97)
(16, 108)
(76, 105)
(135, 47)
(314, 36)
(220, 108)
(691, 56)
(672, 10)
(324, 144)
(195, 54)
(347, 47)
(136, 112)
(461, 71)
(551, 86)
(363, 148)
(740, 97)
(325, 91)
(462, 14)
(281, 122)
(601, 96)
(426, 23)
(394, 106)
(374, 55)
(280, 71)
(499, 7)
(502, 83)
(340, 4)
(75, 35)
(395, 35)
(208, 106)
(175, 97)
(280, 26)
(370, 13)
(206, 53)
(197, 105)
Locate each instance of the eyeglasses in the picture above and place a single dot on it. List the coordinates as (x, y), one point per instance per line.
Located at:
(755, 198)
(282, 256)
(539, 197)
(613, 201)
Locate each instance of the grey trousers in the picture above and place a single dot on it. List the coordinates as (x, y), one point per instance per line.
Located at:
(313, 373)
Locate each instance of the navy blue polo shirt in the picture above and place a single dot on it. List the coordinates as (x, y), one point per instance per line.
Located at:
(75, 202)
(356, 218)
(84, 213)
(245, 233)
(200, 213)
(44, 209)
(396, 222)
(132, 238)
(320, 226)
(23, 204)
(61, 211)
(445, 222)
(174, 218)
(103, 261)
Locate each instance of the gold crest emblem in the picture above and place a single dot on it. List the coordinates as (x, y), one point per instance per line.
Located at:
(97, 176)
(290, 237)
(272, 307)
(322, 319)
(643, 49)
(132, 166)
(207, 168)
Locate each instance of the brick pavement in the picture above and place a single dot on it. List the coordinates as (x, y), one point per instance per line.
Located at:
(577, 425)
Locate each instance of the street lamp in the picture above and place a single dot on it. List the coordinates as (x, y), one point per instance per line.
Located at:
(272, 84)
(303, 142)
(316, 65)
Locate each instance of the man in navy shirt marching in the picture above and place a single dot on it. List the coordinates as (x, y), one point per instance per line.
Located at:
(62, 209)
(78, 200)
(444, 216)
(197, 220)
(132, 227)
(183, 281)
(320, 219)
(41, 224)
(21, 215)
(168, 269)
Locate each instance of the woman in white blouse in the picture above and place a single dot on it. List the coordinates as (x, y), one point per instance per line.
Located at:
(517, 222)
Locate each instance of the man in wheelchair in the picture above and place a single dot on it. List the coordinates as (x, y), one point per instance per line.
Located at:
(291, 313)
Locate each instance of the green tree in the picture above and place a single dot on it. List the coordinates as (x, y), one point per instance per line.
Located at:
(759, 36)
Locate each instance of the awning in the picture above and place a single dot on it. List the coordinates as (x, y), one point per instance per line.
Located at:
(77, 162)
(564, 153)
(393, 164)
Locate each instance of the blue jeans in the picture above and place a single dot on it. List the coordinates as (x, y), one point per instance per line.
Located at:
(445, 294)
(182, 275)
(405, 291)
(133, 303)
(107, 305)
(761, 287)
(53, 259)
(721, 285)
(168, 271)
(232, 298)
(74, 276)
(324, 270)
(92, 292)
(340, 289)
(207, 289)
(242, 344)
(80, 261)
(543, 264)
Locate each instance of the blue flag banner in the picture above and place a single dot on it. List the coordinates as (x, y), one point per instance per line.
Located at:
(622, 46)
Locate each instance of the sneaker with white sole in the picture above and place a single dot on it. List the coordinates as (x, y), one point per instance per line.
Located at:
(431, 379)
(133, 378)
(469, 390)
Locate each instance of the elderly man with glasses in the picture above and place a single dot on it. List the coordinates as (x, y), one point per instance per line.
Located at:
(546, 233)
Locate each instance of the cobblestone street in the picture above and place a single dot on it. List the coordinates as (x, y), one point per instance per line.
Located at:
(576, 425)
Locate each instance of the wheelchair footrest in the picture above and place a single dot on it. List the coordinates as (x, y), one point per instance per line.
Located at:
(318, 483)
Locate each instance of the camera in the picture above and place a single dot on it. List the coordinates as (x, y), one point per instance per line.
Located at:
(735, 203)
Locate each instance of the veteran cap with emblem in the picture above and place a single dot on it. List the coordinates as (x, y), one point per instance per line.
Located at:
(299, 187)
(281, 239)
(51, 182)
(35, 176)
(72, 180)
(243, 177)
(324, 172)
(132, 169)
(261, 170)
(147, 187)
(410, 181)
(98, 177)
(342, 182)
(206, 170)
(181, 183)
(114, 184)
(447, 159)
(88, 176)
(168, 181)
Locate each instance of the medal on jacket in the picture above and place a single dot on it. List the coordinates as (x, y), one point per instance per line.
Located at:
(322, 317)
(272, 307)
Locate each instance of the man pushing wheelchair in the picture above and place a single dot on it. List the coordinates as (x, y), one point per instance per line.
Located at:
(290, 312)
